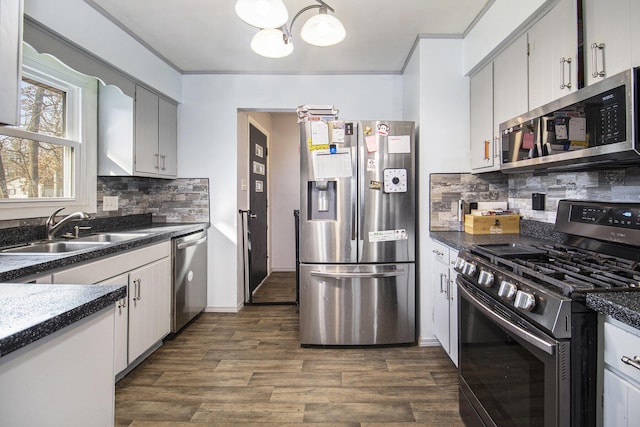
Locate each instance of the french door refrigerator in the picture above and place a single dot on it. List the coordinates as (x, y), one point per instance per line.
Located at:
(357, 233)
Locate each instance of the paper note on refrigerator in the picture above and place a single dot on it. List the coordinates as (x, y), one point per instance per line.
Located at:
(399, 144)
(372, 143)
(319, 133)
(326, 165)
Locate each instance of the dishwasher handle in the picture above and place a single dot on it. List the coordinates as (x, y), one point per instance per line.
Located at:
(183, 245)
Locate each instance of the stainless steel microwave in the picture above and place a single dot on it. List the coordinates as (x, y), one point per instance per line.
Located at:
(594, 127)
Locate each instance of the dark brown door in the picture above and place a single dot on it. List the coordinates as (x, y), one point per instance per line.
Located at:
(257, 228)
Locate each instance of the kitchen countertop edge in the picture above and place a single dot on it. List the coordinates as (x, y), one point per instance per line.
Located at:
(623, 306)
(15, 267)
(84, 301)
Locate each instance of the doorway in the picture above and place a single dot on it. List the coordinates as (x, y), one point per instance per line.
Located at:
(268, 169)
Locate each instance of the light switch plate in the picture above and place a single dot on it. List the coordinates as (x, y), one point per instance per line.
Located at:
(110, 203)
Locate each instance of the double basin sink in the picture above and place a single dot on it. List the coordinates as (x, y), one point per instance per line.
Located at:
(93, 241)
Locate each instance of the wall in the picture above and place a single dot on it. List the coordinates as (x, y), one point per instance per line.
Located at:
(284, 189)
(209, 131)
(436, 96)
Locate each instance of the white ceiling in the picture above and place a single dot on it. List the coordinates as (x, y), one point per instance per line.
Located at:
(205, 36)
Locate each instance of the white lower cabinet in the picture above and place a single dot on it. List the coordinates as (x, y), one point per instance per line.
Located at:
(121, 323)
(621, 380)
(143, 318)
(65, 379)
(149, 306)
(445, 310)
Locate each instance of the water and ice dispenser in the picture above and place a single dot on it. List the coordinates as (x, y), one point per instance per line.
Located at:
(321, 200)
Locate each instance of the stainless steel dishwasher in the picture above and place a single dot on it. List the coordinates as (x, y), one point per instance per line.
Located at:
(189, 278)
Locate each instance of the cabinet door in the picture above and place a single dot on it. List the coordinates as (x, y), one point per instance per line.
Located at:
(146, 132)
(607, 47)
(635, 33)
(439, 279)
(10, 60)
(510, 83)
(481, 110)
(121, 323)
(168, 138)
(553, 51)
(149, 306)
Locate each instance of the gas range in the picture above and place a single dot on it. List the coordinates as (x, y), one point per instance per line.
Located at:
(527, 342)
(539, 281)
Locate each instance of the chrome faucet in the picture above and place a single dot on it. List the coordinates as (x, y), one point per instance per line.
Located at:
(54, 227)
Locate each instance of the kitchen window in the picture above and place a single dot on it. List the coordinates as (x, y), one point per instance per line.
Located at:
(49, 159)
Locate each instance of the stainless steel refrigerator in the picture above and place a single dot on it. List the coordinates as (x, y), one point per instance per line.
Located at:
(357, 233)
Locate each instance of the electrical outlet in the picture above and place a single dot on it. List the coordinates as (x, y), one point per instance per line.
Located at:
(110, 203)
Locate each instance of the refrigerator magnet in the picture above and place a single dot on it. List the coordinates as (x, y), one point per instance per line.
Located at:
(371, 165)
(383, 129)
(375, 185)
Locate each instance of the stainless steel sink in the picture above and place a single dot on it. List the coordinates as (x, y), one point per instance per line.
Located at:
(110, 237)
(54, 247)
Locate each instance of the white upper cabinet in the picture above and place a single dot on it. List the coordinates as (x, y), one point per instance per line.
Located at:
(510, 83)
(635, 33)
(553, 52)
(607, 37)
(10, 60)
(136, 137)
(483, 151)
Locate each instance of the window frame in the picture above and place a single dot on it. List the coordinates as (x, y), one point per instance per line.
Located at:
(81, 134)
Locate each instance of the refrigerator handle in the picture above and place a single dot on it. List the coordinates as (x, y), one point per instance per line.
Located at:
(345, 275)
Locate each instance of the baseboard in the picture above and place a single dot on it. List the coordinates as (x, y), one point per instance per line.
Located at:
(283, 270)
(428, 342)
(214, 309)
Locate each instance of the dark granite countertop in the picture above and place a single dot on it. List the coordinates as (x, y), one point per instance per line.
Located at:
(30, 312)
(622, 306)
(460, 240)
(13, 267)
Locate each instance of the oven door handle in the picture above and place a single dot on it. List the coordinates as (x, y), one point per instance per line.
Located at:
(535, 341)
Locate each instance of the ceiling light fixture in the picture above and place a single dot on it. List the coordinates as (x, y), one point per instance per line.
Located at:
(262, 13)
(275, 40)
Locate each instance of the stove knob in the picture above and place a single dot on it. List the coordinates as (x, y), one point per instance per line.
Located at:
(459, 263)
(507, 291)
(485, 279)
(469, 269)
(524, 301)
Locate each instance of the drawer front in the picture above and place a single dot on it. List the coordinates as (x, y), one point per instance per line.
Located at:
(440, 252)
(617, 344)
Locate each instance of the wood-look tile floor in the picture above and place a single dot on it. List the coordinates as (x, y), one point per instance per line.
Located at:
(280, 287)
(248, 369)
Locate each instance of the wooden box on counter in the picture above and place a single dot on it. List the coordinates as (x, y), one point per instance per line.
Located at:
(492, 224)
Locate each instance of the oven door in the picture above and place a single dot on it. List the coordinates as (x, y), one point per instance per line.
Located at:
(510, 373)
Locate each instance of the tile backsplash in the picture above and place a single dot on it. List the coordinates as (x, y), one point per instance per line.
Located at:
(448, 188)
(618, 185)
(177, 200)
(609, 185)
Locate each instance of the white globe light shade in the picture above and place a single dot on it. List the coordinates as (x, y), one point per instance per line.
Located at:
(262, 13)
(269, 43)
(323, 30)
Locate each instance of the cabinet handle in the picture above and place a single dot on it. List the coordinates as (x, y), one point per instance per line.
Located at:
(157, 162)
(136, 289)
(594, 59)
(441, 277)
(451, 282)
(487, 145)
(496, 140)
(562, 62)
(635, 362)
(437, 252)
(164, 162)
